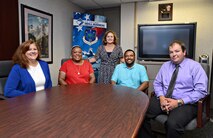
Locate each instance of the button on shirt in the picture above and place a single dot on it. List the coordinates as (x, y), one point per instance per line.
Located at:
(131, 77)
(191, 83)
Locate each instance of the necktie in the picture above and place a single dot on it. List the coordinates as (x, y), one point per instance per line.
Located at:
(172, 82)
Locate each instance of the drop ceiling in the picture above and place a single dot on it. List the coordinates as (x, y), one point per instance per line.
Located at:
(99, 4)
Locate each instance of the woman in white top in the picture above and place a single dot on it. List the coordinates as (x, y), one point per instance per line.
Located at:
(29, 73)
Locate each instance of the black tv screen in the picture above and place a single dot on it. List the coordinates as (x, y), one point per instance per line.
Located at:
(154, 40)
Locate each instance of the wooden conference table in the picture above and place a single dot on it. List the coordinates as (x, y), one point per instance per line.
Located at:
(86, 110)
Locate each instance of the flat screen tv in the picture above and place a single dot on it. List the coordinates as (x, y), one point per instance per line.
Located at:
(153, 40)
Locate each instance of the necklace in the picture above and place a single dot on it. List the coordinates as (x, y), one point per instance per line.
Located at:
(77, 65)
(78, 70)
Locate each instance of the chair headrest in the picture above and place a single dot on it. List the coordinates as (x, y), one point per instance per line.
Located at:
(5, 67)
(63, 60)
(206, 68)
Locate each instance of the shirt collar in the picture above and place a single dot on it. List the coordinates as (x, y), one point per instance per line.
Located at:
(182, 64)
(128, 67)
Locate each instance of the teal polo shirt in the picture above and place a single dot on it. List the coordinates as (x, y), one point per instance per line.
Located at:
(131, 77)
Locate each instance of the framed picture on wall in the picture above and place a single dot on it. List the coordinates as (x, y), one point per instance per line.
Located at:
(38, 26)
(165, 12)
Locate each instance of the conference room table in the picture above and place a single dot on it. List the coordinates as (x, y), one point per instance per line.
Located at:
(78, 111)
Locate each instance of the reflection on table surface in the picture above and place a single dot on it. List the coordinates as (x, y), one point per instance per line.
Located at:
(82, 110)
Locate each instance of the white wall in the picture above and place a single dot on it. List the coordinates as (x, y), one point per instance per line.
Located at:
(127, 34)
(184, 11)
(62, 11)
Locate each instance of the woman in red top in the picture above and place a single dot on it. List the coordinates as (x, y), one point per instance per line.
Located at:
(76, 70)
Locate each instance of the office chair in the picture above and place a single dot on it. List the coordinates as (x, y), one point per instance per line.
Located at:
(5, 67)
(203, 114)
(146, 91)
(64, 60)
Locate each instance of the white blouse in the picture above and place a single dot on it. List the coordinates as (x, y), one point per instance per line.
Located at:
(38, 76)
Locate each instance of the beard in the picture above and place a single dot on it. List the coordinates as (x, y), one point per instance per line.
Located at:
(130, 64)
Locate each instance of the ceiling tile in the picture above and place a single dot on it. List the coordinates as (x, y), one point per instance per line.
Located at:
(85, 4)
(98, 4)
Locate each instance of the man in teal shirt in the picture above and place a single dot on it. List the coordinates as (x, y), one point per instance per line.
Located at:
(130, 74)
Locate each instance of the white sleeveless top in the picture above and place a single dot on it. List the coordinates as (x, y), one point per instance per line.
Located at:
(38, 76)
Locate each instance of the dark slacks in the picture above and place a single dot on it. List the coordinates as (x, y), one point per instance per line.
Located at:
(178, 118)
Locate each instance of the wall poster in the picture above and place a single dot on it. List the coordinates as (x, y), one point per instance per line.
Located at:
(88, 31)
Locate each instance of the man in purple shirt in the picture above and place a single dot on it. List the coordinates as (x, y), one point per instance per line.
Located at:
(190, 86)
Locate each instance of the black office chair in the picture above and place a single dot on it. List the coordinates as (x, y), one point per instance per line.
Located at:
(64, 60)
(203, 115)
(146, 91)
(5, 67)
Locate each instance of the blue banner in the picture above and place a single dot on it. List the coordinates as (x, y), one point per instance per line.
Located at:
(88, 32)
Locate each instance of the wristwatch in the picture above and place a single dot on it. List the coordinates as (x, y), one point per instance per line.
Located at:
(179, 103)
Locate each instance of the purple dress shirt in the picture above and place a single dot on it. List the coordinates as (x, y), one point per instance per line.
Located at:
(191, 83)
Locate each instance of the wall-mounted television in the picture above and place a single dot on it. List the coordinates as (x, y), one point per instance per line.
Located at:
(154, 39)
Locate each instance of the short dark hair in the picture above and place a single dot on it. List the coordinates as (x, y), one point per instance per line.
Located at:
(183, 47)
(128, 51)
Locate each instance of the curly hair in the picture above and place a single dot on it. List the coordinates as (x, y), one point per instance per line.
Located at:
(115, 37)
(19, 56)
